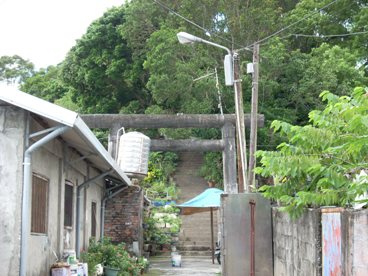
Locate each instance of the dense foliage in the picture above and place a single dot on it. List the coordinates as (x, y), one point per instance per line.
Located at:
(130, 61)
(14, 69)
(158, 183)
(322, 163)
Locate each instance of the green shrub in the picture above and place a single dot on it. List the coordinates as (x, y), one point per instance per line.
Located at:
(111, 255)
(321, 164)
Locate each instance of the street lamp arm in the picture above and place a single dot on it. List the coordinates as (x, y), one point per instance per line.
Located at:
(216, 45)
(185, 38)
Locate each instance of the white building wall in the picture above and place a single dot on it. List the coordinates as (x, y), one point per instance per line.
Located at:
(11, 173)
(53, 161)
(94, 194)
(41, 246)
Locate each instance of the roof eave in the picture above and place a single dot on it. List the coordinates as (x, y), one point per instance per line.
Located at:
(83, 129)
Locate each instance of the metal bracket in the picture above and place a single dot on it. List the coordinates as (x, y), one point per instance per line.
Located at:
(69, 163)
(43, 131)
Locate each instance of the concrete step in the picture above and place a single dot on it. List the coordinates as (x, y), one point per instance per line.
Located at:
(187, 233)
(167, 254)
(193, 247)
(203, 241)
(196, 253)
(195, 235)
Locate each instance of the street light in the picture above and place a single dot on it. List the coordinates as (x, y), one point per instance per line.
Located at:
(185, 38)
(232, 78)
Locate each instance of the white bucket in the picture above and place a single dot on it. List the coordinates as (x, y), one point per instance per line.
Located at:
(176, 260)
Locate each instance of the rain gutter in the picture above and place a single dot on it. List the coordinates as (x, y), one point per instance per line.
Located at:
(27, 180)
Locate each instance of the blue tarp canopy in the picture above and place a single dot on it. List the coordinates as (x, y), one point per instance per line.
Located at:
(203, 202)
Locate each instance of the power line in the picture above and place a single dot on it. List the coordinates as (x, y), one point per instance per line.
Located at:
(322, 36)
(331, 35)
(207, 32)
(291, 25)
(182, 17)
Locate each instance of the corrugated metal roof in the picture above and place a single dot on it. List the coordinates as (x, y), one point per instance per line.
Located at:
(80, 136)
(36, 105)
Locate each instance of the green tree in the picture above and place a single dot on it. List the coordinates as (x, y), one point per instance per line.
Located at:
(15, 69)
(173, 68)
(130, 61)
(99, 67)
(319, 163)
(289, 79)
(46, 84)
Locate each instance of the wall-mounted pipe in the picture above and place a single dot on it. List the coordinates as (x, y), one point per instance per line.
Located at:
(79, 188)
(27, 180)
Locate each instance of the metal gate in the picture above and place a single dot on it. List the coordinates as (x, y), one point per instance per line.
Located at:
(246, 238)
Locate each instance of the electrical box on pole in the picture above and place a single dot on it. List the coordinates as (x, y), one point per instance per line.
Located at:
(250, 68)
(228, 68)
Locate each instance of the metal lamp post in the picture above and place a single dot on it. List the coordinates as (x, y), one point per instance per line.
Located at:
(232, 78)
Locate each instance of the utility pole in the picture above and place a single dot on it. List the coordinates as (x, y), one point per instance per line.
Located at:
(232, 77)
(254, 111)
(240, 128)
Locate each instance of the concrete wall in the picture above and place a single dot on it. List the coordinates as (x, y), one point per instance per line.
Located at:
(355, 242)
(11, 173)
(53, 162)
(334, 243)
(124, 217)
(297, 244)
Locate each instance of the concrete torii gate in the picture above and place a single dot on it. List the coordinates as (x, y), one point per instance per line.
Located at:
(226, 122)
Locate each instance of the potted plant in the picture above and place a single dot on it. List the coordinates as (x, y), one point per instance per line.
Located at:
(142, 265)
(111, 271)
(111, 261)
(114, 258)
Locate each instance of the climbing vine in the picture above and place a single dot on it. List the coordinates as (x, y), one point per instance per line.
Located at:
(319, 163)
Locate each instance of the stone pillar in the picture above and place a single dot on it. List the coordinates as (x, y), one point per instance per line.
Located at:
(113, 140)
(229, 159)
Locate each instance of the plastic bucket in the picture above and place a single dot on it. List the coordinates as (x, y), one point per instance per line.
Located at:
(176, 260)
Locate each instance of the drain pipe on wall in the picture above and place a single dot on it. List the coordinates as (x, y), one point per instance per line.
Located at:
(79, 188)
(103, 205)
(27, 180)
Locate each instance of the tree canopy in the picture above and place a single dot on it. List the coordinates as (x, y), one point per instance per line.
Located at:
(321, 163)
(130, 61)
(15, 69)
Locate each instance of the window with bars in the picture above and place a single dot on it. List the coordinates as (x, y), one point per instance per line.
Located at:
(39, 206)
(68, 204)
(93, 219)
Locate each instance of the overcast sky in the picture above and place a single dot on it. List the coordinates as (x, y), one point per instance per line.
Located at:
(43, 31)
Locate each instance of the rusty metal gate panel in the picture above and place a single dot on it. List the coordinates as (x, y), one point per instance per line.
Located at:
(246, 228)
(331, 242)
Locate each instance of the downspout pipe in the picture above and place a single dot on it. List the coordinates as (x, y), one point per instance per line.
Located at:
(27, 180)
(103, 205)
(79, 188)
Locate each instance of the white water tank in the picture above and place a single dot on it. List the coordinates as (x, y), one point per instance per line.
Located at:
(133, 153)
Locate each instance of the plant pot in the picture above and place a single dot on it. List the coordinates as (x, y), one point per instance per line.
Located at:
(211, 184)
(111, 271)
